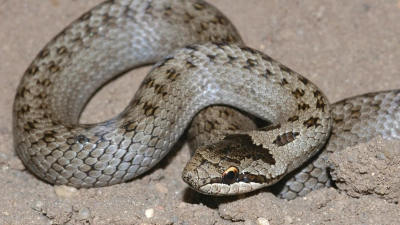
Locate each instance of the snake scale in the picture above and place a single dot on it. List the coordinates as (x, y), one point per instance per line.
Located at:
(204, 73)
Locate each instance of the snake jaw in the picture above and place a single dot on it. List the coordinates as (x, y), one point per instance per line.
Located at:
(232, 189)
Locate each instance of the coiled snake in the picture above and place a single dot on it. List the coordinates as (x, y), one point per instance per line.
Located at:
(201, 62)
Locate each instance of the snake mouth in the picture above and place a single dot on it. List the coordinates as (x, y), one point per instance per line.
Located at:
(231, 189)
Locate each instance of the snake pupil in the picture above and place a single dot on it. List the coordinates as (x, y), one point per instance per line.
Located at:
(230, 175)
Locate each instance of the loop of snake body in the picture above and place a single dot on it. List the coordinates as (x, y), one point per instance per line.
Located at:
(201, 62)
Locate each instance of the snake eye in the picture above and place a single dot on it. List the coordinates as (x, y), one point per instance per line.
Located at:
(230, 175)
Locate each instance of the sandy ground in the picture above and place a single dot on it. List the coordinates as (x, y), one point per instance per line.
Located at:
(345, 47)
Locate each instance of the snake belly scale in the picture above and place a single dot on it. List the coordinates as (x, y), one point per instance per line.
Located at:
(116, 36)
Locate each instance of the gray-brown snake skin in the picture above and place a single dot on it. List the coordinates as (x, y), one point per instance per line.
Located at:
(119, 35)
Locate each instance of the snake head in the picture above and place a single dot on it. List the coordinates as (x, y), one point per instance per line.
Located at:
(233, 165)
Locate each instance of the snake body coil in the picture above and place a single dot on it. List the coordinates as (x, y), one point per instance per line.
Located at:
(119, 35)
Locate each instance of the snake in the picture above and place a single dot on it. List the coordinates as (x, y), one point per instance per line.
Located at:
(204, 81)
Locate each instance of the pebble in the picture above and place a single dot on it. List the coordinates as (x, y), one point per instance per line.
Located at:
(390, 150)
(37, 205)
(84, 213)
(149, 213)
(262, 221)
(65, 191)
(3, 158)
(288, 219)
(161, 188)
(381, 156)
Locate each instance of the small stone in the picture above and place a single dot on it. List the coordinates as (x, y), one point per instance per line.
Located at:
(37, 205)
(84, 214)
(288, 219)
(390, 150)
(381, 156)
(3, 158)
(99, 192)
(380, 190)
(161, 188)
(65, 191)
(149, 213)
(262, 221)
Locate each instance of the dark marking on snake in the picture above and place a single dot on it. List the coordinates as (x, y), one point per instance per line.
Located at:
(61, 50)
(44, 53)
(187, 17)
(231, 38)
(49, 137)
(189, 64)
(266, 58)
(284, 82)
(285, 69)
(285, 138)
(168, 11)
(222, 20)
(250, 50)
(312, 122)
(43, 106)
(293, 118)
(241, 146)
(252, 62)
(338, 122)
(320, 105)
(208, 126)
(298, 93)
(303, 106)
(172, 74)
(165, 61)
(160, 89)
(148, 82)
(85, 16)
(53, 68)
(199, 6)
(42, 95)
(151, 111)
(267, 73)
(29, 126)
(320, 101)
(32, 70)
(191, 47)
(221, 45)
(46, 82)
(303, 80)
(25, 108)
(355, 113)
(231, 58)
(149, 9)
(211, 57)
(204, 26)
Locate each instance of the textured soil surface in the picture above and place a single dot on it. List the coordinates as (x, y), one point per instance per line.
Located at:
(345, 47)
